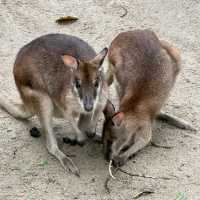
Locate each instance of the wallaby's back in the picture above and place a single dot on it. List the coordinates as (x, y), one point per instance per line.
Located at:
(39, 64)
(144, 70)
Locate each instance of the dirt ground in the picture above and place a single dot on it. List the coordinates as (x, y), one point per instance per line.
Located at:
(28, 172)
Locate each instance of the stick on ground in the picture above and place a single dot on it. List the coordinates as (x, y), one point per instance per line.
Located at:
(110, 169)
(142, 175)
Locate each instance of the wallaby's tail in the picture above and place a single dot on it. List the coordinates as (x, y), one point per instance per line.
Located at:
(175, 121)
(172, 51)
(19, 111)
(16, 110)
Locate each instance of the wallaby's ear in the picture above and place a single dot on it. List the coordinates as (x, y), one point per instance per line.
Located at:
(118, 118)
(70, 61)
(109, 110)
(99, 58)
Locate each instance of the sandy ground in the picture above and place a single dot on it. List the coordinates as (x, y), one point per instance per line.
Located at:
(28, 172)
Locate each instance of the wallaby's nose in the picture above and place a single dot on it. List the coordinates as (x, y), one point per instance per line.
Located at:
(88, 103)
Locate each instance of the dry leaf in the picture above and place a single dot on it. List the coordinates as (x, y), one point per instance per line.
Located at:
(66, 19)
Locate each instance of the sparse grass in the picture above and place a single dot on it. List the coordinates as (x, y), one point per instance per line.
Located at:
(43, 163)
(181, 196)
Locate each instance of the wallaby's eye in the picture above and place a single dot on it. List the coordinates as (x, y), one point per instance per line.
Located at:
(77, 83)
(96, 84)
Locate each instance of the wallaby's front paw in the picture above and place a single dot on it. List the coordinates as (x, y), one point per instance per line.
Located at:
(90, 134)
(69, 165)
(81, 143)
(81, 139)
(119, 161)
(68, 140)
(98, 139)
(91, 131)
(73, 142)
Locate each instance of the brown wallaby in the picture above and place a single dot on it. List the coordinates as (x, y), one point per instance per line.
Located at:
(60, 75)
(145, 69)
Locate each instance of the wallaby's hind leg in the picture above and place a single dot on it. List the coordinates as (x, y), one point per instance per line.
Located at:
(175, 121)
(44, 108)
(45, 114)
(19, 111)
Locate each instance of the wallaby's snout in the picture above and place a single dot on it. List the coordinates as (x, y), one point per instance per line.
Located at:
(90, 93)
(87, 90)
(88, 102)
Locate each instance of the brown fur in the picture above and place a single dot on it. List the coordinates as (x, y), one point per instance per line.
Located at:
(145, 70)
(46, 72)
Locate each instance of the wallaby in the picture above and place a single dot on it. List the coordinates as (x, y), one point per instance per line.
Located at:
(60, 75)
(145, 69)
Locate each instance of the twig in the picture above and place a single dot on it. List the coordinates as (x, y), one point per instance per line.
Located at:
(130, 174)
(125, 12)
(110, 169)
(4, 117)
(192, 136)
(71, 155)
(14, 153)
(142, 175)
(161, 146)
(107, 181)
(109, 177)
(106, 184)
(143, 193)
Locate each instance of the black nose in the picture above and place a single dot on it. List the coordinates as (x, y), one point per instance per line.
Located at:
(88, 103)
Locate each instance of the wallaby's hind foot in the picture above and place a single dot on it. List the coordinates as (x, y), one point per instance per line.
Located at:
(44, 108)
(175, 121)
(18, 111)
(68, 164)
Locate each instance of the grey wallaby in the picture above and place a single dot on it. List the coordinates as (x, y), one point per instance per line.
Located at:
(145, 69)
(60, 75)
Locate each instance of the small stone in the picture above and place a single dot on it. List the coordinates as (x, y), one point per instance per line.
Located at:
(93, 180)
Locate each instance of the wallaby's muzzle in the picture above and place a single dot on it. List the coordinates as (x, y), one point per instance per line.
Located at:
(88, 103)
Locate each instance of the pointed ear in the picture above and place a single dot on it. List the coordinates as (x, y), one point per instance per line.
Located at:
(70, 61)
(109, 110)
(98, 60)
(118, 118)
